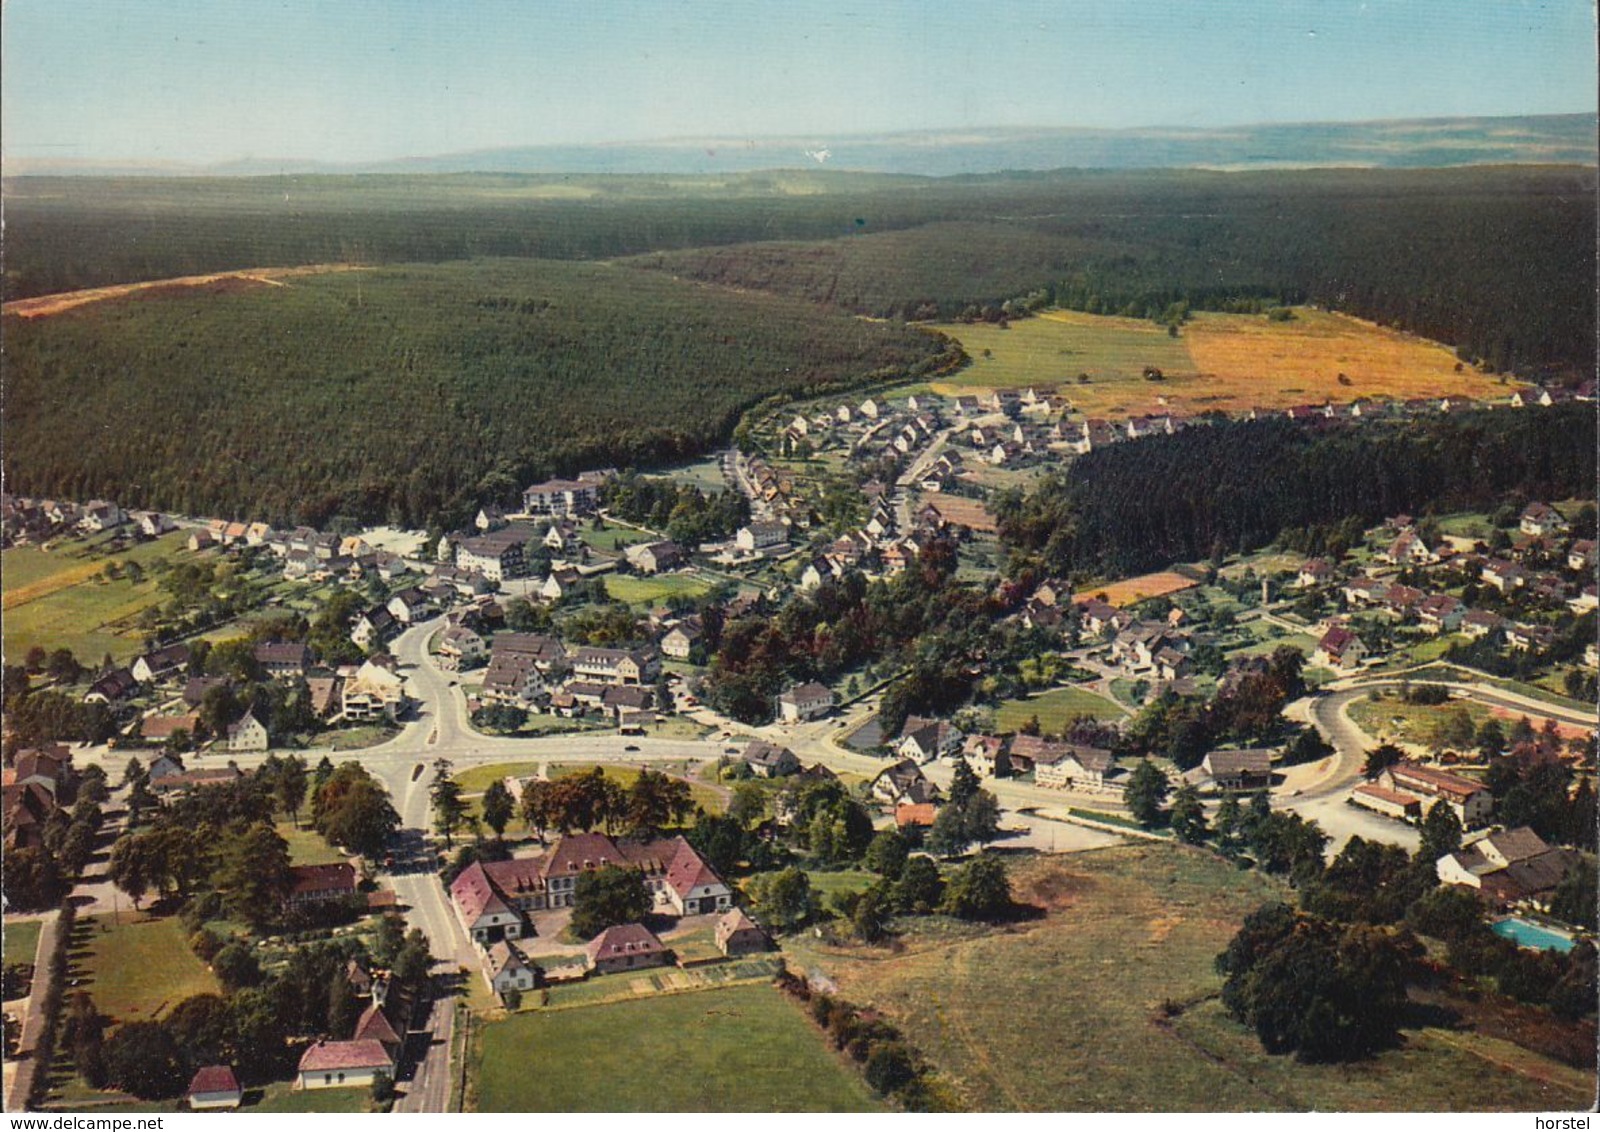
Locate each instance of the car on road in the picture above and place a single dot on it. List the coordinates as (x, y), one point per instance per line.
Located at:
(631, 747)
(731, 750)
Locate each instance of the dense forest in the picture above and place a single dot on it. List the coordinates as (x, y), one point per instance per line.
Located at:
(1237, 485)
(392, 394)
(1497, 261)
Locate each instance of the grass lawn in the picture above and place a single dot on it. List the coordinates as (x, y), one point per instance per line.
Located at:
(1469, 524)
(50, 600)
(1391, 718)
(1056, 709)
(21, 941)
(613, 538)
(826, 884)
(654, 589)
(739, 1049)
(360, 737)
(306, 846)
(139, 968)
(280, 1096)
(1065, 1013)
(1269, 644)
(678, 727)
(475, 780)
(704, 474)
(1122, 688)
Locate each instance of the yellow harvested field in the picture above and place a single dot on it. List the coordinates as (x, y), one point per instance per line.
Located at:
(1278, 364)
(1226, 362)
(1131, 591)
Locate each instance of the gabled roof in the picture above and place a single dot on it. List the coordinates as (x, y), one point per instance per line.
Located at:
(213, 1079)
(374, 1025)
(1239, 762)
(762, 753)
(323, 878)
(735, 920)
(581, 851)
(623, 939)
(476, 895)
(503, 957)
(803, 693)
(688, 870)
(327, 1057)
(282, 652)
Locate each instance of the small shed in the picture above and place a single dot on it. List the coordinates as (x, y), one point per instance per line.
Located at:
(212, 1087)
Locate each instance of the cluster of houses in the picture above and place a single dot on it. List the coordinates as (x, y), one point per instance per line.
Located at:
(372, 691)
(874, 424)
(1542, 538)
(498, 904)
(878, 549)
(533, 670)
(772, 493)
(26, 519)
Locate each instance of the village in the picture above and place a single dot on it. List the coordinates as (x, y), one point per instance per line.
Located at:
(561, 626)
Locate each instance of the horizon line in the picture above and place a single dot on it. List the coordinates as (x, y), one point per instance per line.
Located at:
(975, 133)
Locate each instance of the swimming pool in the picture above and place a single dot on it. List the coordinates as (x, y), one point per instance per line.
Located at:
(1526, 934)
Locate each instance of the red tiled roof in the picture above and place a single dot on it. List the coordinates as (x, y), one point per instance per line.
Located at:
(323, 878)
(687, 870)
(374, 1025)
(213, 1079)
(1384, 794)
(475, 894)
(516, 876)
(323, 1057)
(624, 939)
(582, 851)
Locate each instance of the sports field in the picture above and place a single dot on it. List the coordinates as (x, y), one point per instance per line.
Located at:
(739, 1049)
(1218, 361)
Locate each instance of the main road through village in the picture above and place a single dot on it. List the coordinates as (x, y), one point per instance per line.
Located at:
(438, 728)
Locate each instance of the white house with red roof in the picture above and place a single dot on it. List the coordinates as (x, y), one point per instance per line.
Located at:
(214, 1087)
(334, 1065)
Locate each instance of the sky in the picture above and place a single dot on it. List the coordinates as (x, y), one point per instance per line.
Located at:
(196, 81)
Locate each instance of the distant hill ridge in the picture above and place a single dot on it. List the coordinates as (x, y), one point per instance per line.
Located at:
(1410, 143)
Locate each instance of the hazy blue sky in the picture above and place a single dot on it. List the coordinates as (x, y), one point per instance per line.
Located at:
(203, 80)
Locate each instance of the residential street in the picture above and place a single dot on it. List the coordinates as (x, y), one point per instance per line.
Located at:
(439, 728)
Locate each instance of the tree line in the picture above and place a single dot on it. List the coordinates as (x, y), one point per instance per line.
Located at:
(1234, 486)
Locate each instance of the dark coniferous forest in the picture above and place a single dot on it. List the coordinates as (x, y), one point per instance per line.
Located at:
(1238, 485)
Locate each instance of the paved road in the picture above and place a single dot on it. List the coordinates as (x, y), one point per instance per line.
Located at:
(23, 1068)
(1320, 791)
